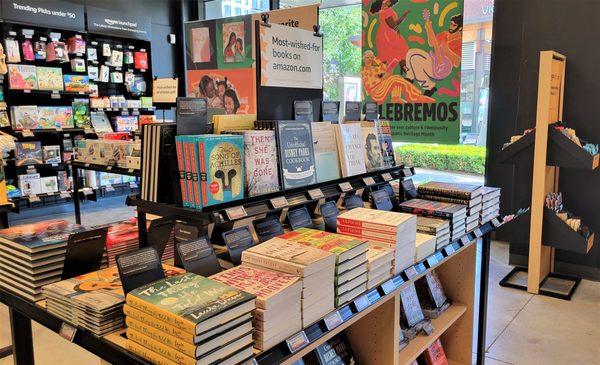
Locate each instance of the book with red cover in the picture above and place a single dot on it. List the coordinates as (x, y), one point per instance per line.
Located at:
(435, 355)
(433, 208)
(451, 190)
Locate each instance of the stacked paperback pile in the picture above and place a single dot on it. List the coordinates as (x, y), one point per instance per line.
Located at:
(379, 263)
(122, 237)
(490, 204)
(455, 214)
(437, 227)
(424, 246)
(350, 264)
(395, 230)
(189, 319)
(32, 255)
(278, 313)
(315, 268)
(93, 301)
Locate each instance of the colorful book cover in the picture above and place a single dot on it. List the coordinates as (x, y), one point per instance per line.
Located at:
(22, 77)
(140, 60)
(40, 234)
(384, 137)
(179, 143)
(350, 150)
(373, 156)
(260, 152)
(49, 78)
(81, 113)
(101, 123)
(28, 153)
(126, 123)
(221, 165)
(331, 242)
(326, 155)
(25, 117)
(296, 153)
(51, 154)
(433, 208)
(63, 181)
(77, 83)
(336, 351)
(52, 117)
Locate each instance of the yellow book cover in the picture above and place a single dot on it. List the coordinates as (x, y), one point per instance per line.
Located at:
(233, 122)
(159, 348)
(146, 354)
(178, 344)
(146, 318)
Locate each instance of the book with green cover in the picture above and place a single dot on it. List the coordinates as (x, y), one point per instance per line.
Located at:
(193, 303)
(344, 247)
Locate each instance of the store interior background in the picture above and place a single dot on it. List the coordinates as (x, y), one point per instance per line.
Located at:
(520, 329)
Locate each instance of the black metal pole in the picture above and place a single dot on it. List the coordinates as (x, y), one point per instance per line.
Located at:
(20, 327)
(142, 231)
(4, 219)
(6, 351)
(483, 296)
(75, 172)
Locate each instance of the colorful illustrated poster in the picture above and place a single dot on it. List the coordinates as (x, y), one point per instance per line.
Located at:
(234, 47)
(411, 66)
(200, 45)
(231, 91)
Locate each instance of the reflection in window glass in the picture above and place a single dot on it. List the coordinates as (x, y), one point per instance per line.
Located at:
(215, 9)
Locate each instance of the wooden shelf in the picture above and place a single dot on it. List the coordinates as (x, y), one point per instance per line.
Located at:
(421, 342)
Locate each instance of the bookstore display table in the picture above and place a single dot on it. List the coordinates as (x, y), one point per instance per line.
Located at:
(369, 315)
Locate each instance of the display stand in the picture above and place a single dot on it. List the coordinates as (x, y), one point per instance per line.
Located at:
(548, 150)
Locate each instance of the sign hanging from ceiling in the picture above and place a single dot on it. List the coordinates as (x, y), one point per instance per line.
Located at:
(44, 13)
(102, 21)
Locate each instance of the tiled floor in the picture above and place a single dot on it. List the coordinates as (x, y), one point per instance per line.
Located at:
(522, 329)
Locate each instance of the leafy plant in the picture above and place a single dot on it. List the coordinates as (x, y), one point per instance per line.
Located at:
(443, 157)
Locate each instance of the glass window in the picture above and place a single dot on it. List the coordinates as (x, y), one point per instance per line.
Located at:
(215, 9)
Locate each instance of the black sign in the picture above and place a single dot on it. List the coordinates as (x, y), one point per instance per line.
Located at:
(299, 218)
(237, 240)
(353, 201)
(381, 200)
(267, 228)
(352, 111)
(199, 257)
(331, 111)
(303, 110)
(84, 252)
(102, 21)
(52, 14)
(330, 211)
(191, 116)
(371, 111)
(139, 268)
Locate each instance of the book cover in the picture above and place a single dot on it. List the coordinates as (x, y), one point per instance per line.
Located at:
(342, 246)
(371, 148)
(375, 220)
(468, 202)
(186, 300)
(49, 78)
(81, 113)
(100, 122)
(77, 83)
(22, 77)
(53, 117)
(350, 150)
(233, 122)
(435, 355)
(296, 153)
(326, 156)
(29, 184)
(221, 165)
(433, 208)
(25, 117)
(260, 152)
(378, 254)
(432, 225)
(32, 236)
(12, 50)
(451, 190)
(28, 153)
(411, 312)
(384, 137)
(179, 144)
(126, 123)
(335, 351)
(140, 60)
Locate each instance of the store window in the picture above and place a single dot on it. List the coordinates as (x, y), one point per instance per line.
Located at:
(215, 9)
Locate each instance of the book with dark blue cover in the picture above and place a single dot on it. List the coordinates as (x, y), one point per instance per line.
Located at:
(296, 153)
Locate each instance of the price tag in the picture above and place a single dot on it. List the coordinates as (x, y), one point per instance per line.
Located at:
(439, 256)
(478, 232)
(65, 194)
(316, 194)
(27, 133)
(373, 296)
(388, 287)
(398, 281)
(431, 261)
(411, 272)
(80, 93)
(27, 91)
(87, 165)
(55, 95)
(345, 186)
(67, 331)
(361, 303)
(34, 198)
(87, 191)
(297, 341)
(110, 188)
(279, 202)
(428, 328)
(133, 185)
(449, 250)
(464, 240)
(496, 222)
(236, 212)
(420, 267)
(332, 320)
(387, 176)
(369, 180)
(108, 168)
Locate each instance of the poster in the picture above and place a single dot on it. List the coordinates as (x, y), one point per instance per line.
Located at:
(411, 64)
(290, 57)
(228, 91)
(234, 42)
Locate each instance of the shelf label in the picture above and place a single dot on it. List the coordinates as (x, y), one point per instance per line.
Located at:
(428, 328)
(439, 256)
(88, 131)
(407, 172)
(345, 312)
(449, 250)
(464, 240)
(55, 95)
(279, 202)
(420, 267)
(65, 194)
(411, 272)
(332, 320)
(27, 91)
(369, 181)
(388, 287)
(478, 232)
(345, 186)
(87, 165)
(361, 303)
(297, 342)
(67, 331)
(398, 281)
(236, 212)
(431, 261)
(27, 133)
(87, 191)
(316, 194)
(373, 296)
(387, 176)
(496, 222)
(34, 198)
(108, 168)
(110, 188)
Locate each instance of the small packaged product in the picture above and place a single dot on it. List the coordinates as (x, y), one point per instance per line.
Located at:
(27, 49)
(39, 48)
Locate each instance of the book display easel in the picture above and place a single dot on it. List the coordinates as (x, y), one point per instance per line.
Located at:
(547, 150)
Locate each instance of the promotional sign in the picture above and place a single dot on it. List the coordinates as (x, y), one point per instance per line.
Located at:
(164, 90)
(43, 13)
(102, 21)
(411, 66)
(290, 57)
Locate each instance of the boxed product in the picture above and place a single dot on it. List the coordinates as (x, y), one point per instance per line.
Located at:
(49, 184)
(49, 78)
(52, 117)
(77, 83)
(39, 48)
(81, 113)
(29, 184)
(25, 117)
(140, 60)
(77, 65)
(76, 45)
(12, 50)
(22, 77)
(51, 154)
(28, 153)
(57, 51)
(126, 123)
(27, 49)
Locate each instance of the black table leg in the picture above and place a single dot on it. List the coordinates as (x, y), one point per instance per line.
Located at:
(20, 327)
(142, 231)
(483, 296)
(75, 172)
(4, 219)
(6, 351)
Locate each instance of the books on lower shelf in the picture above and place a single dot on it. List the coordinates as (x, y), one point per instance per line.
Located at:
(379, 263)
(189, 319)
(278, 313)
(32, 255)
(425, 246)
(438, 227)
(315, 268)
(455, 214)
(335, 351)
(434, 354)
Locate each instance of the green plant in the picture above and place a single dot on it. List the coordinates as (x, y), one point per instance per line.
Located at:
(443, 157)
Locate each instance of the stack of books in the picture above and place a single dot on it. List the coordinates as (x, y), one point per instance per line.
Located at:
(350, 263)
(189, 319)
(437, 227)
(379, 263)
(92, 301)
(455, 214)
(33, 255)
(278, 313)
(490, 204)
(122, 237)
(314, 267)
(393, 229)
(424, 246)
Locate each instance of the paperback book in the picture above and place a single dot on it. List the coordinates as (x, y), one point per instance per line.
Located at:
(350, 151)
(326, 154)
(296, 153)
(49, 78)
(260, 152)
(22, 77)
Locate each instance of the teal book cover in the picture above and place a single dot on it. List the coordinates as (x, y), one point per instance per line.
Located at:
(221, 168)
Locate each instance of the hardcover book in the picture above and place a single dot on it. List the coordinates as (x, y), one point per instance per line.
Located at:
(432, 225)
(40, 236)
(55, 117)
(384, 136)
(296, 153)
(160, 175)
(221, 167)
(326, 155)
(336, 351)
(28, 153)
(410, 308)
(350, 150)
(260, 150)
(25, 117)
(77, 83)
(22, 77)
(372, 150)
(435, 355)
(433, 208)
(451, 190)
(49, 78)
(344, 247)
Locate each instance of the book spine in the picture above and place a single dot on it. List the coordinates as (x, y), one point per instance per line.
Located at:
(444, 192)
(427, 230)
(426, 212)
(149, 320)
(184, 347)
(182, 174)
(145, 353)
(365, 225)
(160, 348)
(203, 172)
(366, 234)
(161, 314)
(189, 186)
(272, 264)
(195, 177)
(445, 199)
